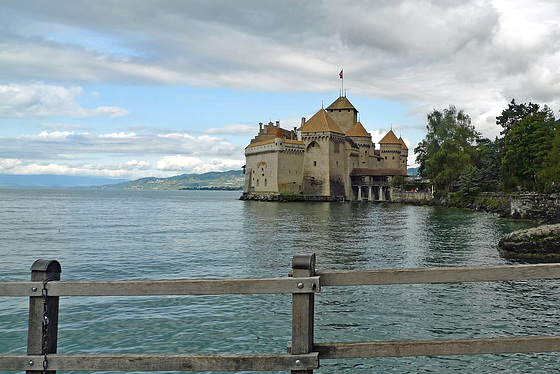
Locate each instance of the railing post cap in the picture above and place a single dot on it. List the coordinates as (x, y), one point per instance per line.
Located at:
(48, 266)
(303, 261)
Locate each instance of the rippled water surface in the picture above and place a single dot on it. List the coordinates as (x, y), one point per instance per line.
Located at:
(109, 235)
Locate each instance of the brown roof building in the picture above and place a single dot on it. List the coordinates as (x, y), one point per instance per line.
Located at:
(331, 156)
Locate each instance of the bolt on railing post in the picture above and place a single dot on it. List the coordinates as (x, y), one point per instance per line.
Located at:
(303, 309)
(42, 332)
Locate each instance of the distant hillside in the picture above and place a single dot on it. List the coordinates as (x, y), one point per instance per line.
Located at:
(230, 180)
(53, 181)
(412, 172)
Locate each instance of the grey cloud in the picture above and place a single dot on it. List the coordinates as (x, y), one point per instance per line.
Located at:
(51, 146)
(41, 100)
(424, 54)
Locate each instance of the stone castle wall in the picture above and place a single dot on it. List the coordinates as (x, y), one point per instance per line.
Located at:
(398, 196)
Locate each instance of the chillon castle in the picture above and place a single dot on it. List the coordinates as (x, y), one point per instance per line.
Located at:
(329, 157)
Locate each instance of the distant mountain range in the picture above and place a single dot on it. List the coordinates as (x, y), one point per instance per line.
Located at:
(215, 180)
(230, 180)
(54, 181)
(226, 180)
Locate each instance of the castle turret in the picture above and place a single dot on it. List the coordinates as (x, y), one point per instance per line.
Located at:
(404, 155)
(343, 113)
(390, 150)
(279, 140)
(362, 138)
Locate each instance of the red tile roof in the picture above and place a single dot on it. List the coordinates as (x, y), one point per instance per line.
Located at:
(321, 122)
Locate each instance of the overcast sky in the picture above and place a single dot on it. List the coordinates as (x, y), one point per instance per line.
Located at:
(129, 88)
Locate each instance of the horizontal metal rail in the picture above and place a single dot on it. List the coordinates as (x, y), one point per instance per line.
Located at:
(283, 285)
(162, 362)
(438, 347)
(164, 287)
(439, 275)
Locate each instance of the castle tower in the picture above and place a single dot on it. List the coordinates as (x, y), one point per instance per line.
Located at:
(279, 140)
(343, 113)
(404, 155)
(362, 138)
(390, 150)
(324, 159)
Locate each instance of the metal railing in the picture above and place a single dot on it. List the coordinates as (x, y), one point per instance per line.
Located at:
(303, 355)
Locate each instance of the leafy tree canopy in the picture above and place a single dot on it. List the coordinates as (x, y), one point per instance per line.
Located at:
(526, 145)
(448, 147)
(515, 113)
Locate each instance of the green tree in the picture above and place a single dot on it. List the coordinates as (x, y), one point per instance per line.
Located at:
(515, 113)
(470, 180)
(448, 147)
(550, 172)
(526, 145)
(488, 163)
(398, 181)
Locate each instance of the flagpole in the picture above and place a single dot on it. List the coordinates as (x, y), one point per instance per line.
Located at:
(341, 75)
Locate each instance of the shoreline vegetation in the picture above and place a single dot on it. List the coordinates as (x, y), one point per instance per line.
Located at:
(541, 208)
(537, 244)
(455, 158)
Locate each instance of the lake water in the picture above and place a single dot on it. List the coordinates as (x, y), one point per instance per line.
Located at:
(110, 235)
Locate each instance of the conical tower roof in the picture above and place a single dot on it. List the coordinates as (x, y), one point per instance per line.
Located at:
(390, 138)
(358, 130)
(321, 122)
(341, 103)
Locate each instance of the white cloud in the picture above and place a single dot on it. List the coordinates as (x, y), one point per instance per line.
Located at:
(52, 145)
(53, 135)
(57, 169)
(179, 162)
(118, 135)
(144, 165)
(41, 100)
(196, 165)
(7, 163)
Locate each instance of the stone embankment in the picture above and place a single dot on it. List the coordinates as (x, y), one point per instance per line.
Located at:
(544, 208)
(284, 197)
(535, 244)
(411, 197)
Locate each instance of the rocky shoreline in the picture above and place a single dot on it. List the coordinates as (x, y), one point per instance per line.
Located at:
(540, 244)
(543, 208)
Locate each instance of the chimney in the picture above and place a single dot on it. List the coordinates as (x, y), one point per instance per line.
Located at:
(302, 121)
(260, 127)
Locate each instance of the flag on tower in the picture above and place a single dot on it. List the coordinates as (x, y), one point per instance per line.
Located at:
(340, 74)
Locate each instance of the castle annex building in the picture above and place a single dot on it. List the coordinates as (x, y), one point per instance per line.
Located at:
(330, 157)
